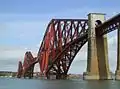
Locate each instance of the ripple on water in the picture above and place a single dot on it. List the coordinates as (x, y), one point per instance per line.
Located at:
(13, 83)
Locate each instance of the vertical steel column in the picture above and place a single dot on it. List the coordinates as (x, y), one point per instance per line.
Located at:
(20, 70)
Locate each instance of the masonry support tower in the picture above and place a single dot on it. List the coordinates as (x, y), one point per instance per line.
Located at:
(117, 73)
(97, 61)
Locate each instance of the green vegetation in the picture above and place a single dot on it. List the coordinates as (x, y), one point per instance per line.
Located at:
(7, 73)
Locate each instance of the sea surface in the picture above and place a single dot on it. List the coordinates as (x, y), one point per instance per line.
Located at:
(14, 83)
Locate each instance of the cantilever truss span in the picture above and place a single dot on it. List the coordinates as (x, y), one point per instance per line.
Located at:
(62, 41)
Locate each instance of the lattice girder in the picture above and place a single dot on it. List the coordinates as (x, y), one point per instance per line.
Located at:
(60, 33)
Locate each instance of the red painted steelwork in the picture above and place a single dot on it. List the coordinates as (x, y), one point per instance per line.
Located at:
(28, 65)
(20, 70)
(59, 34)
(62, 41)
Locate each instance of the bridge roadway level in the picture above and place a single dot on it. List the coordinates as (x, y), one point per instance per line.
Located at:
(97, 64)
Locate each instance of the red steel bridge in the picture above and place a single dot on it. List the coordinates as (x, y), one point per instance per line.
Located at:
(64, 38)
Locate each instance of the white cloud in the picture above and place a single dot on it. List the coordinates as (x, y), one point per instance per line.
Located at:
(11, 52)
(37, 67)
(10, 55)
(15, 52)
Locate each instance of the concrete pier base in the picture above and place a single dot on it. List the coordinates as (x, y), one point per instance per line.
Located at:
(117, 75)
(88, 76)
(97, 61)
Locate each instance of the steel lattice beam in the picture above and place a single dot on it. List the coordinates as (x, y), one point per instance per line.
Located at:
(20, 70)
(26, 70)
(108, 26)
(58, 41)
(62, 41)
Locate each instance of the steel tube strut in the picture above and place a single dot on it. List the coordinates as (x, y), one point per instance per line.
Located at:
(62, 41)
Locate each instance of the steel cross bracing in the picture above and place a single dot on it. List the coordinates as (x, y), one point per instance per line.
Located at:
(20, 70)
(108, 26)
(26, 70)
(63, 61)
(62, 41)
(28, 65)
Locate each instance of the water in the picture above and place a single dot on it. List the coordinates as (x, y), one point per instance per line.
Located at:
(12, 83)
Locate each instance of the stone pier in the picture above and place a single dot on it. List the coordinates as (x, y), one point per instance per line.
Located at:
(97, 62)
(117, 73)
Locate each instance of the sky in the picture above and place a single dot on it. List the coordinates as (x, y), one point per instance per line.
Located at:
(23, 23)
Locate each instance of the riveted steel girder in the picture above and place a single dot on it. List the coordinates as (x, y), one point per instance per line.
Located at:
(20, 70)
(26, 70)
(108, 26)
(62, 40)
